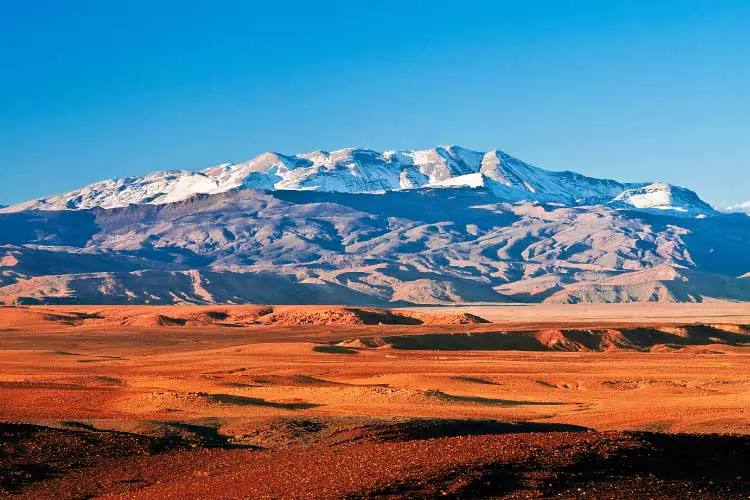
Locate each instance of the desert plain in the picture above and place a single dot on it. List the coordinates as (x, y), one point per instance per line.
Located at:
(511, 401)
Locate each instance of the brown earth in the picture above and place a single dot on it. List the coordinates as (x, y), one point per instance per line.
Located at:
(331, 402)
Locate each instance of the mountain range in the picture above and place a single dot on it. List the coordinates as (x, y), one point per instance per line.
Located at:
(356, 226)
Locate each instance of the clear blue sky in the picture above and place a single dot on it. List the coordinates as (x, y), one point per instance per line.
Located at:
(633, 90)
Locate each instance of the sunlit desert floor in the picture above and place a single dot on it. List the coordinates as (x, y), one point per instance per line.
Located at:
(631, 401)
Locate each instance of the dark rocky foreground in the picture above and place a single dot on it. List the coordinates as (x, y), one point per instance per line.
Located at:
(407, 459)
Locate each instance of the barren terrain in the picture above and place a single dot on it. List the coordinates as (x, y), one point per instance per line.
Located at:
(394, 249)
(614, 401)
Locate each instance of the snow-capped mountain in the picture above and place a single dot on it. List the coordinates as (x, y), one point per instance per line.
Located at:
(663, 197)
(356, 226)
(355, 170)
(156, 188)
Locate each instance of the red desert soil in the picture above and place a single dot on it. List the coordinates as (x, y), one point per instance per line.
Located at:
(327, 402)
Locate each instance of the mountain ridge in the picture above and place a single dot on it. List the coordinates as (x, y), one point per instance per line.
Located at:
(360, 227)
(418, 246)
(359, 170)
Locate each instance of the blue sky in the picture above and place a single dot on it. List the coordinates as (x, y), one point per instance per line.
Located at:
(632, 90)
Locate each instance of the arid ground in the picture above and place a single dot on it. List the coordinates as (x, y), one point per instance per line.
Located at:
(562, 401)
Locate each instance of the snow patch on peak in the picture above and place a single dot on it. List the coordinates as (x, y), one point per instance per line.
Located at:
(156, 188)
(663, 197)
(234, 175)
(657, 196)
(468, 180)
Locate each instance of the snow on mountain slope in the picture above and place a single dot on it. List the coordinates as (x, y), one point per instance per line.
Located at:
(355, 170)
(514, 180)
(663, 197)
(156, 188)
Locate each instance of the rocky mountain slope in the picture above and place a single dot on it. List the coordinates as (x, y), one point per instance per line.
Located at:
(363, 228)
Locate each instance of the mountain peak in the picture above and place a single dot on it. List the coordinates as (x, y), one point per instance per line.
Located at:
(360, 170)
(662, 197)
